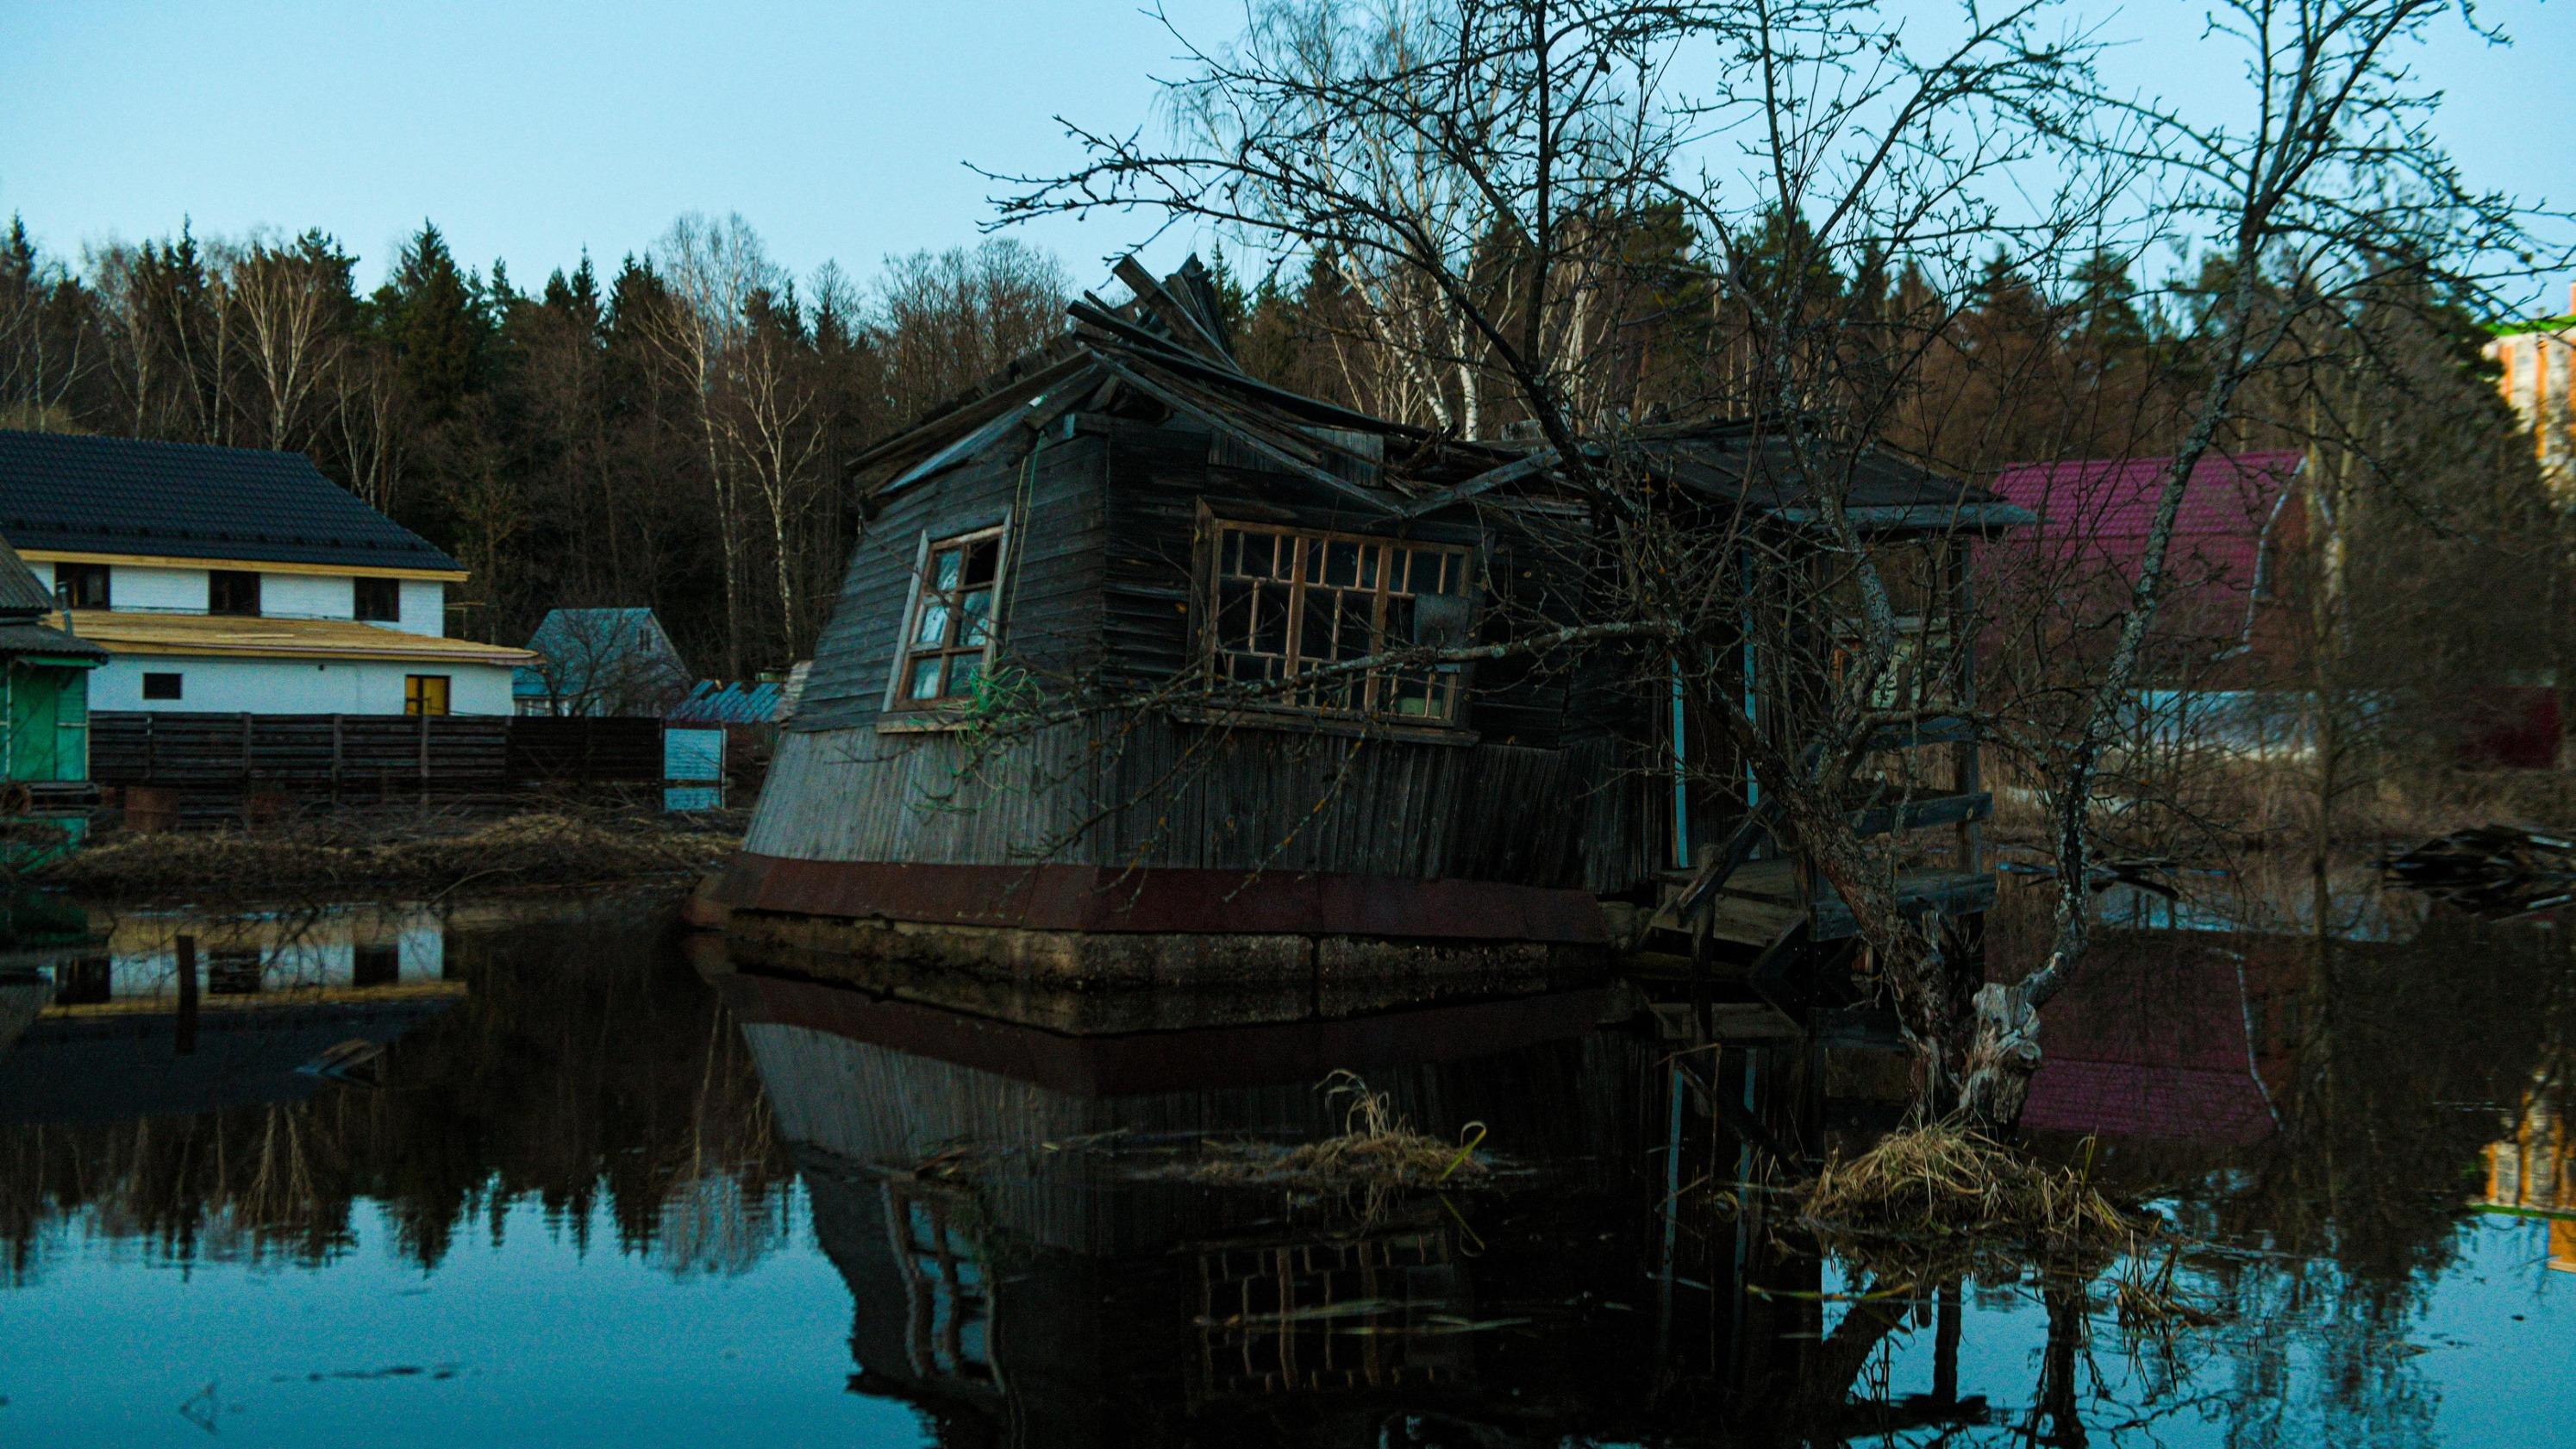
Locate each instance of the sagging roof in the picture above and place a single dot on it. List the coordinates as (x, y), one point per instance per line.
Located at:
(129, 497)
(232, 636)
(1168, 344)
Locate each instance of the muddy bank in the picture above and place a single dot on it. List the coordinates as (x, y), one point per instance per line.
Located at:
(406, 855)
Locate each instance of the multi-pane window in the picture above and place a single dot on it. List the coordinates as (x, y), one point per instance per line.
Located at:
(1289, 604)
(948, 640)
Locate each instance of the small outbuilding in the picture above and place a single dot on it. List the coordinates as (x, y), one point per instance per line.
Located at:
(600, 662)
(44, 707)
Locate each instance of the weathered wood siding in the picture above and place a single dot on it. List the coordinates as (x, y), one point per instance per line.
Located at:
(1050, 611)
(1100, 591)
(1151, 792)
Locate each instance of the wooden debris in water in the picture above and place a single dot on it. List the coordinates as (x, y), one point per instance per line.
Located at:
(2495, 871)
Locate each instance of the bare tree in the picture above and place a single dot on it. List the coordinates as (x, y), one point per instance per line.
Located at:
(714, 268)
(294, 302)
(950, 319)
(1817, 146)
(2332, 183)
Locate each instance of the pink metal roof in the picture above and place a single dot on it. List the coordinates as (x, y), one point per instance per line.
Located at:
(2109, 503)
(2132, 1099)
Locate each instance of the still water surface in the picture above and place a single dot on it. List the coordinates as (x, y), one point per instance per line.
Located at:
(555, 1176)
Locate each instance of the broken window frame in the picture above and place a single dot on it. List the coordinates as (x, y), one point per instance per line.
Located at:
(1377, 695)
(926, 594)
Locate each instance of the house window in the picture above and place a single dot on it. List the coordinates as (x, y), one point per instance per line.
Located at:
(379, 965)
(379, 601)
(1290, 603)
(81, 585)
(85, 982)
(948, 640)
(233, 973)
(161, 686)
(424, 694)
(232, 591)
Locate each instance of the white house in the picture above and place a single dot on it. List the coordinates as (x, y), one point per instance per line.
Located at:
(237, 580)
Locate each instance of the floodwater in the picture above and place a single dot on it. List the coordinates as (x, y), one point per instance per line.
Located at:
(557, 1175)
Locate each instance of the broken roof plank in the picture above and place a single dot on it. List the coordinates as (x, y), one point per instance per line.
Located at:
(1188, 328)
(1976, 516)
(926, 437)
(1176, 400)
(1536, 461)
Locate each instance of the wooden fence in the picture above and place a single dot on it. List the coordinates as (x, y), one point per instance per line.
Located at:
(584, 751)
(214, 763)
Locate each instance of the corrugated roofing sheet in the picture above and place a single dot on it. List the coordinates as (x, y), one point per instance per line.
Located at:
(181, 500)
(713, 702)
(2114, 499)
(18, 639)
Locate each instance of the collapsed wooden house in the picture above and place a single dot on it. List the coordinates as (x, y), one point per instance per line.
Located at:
(1097, 707)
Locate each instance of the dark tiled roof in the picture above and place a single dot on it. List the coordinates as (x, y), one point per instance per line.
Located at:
(22, 594)
(181, 500)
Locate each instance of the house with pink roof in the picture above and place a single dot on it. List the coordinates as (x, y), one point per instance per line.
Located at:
(2232, 633)
(2243, 523)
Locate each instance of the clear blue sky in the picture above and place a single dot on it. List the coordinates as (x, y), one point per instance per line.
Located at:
(528, 130)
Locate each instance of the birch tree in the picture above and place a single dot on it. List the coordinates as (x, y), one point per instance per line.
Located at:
(714, 268)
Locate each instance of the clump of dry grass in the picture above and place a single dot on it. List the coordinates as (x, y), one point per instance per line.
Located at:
(1376, 1148)
(337, 858)
(1945, 1180)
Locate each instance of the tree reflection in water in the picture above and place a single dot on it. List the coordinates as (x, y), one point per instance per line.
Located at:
(2317, 1111)
(578, 1066)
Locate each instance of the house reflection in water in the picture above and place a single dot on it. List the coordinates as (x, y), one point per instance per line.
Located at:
(269, 1005)
(2534, 1169)
(1011, 1212)
(2216, 1032)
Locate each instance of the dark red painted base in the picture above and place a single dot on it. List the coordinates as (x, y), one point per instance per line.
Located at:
(1214, 902)
(1168, 1061)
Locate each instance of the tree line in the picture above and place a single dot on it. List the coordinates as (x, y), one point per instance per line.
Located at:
(669, 433)
(674, 432)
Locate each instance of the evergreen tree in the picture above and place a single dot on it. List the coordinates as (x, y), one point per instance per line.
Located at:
(433, 316)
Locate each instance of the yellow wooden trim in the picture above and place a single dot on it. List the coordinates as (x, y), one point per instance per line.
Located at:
(266, 566)
(502, 659)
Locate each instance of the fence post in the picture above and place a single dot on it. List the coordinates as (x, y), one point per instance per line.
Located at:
(337, 749)
(424, 754)
(247, 717)
(185, 1038)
